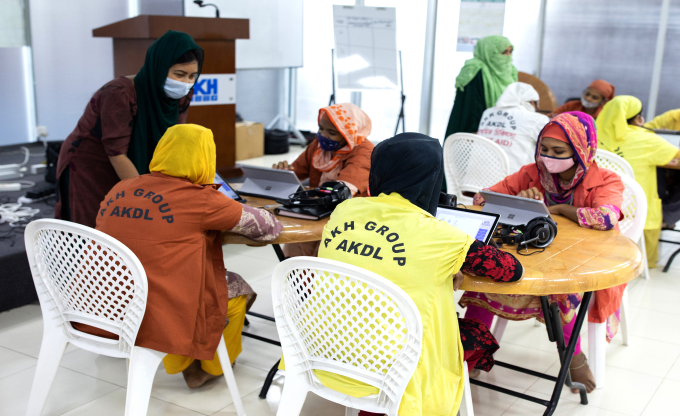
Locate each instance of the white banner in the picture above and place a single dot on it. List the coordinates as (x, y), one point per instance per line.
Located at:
(479, 19)
(215, 89)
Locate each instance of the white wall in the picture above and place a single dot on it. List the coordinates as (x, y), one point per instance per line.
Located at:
(70, 65)
(314, 78)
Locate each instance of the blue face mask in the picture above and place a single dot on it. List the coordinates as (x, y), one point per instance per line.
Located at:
(328, 144)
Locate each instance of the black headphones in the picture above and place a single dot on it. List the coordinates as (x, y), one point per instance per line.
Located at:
(448, 200)
(539, 232)
(328, 195)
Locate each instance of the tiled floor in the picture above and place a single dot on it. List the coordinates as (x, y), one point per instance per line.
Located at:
(642, 378)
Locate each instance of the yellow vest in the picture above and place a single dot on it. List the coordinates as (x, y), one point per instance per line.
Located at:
(644, 150)
(390, 236)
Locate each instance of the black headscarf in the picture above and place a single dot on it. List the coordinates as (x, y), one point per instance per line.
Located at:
(155, 110)
(410, 164)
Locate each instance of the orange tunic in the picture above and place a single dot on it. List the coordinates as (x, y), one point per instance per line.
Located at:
(573, 106)
(354, 166)
(172, 226)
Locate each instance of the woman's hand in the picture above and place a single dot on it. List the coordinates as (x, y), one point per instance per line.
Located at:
(458, 280)
(123, 166)
(282, 166)
(556, 209)
(565, 210)
(532, 193)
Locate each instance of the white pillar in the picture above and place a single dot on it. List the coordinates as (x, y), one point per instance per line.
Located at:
(658, 59)
(541, 36)
(428, 68)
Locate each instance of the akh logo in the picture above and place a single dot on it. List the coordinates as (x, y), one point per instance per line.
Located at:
(205, 90)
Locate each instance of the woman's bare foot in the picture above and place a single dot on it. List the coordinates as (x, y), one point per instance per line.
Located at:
(195, 377)
(580, 372)
(474, 373)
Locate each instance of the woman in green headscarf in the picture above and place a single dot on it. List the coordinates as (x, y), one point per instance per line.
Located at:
(481, 82)
(117, 135)
(620, 130)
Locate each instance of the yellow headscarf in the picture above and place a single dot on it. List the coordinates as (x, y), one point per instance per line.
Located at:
(186, 151)
(612, 123)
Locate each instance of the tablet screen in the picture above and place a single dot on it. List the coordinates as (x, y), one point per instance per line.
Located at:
(226, 189)
(477, 224)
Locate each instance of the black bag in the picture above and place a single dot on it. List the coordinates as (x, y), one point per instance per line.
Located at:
(52, 156)
(275, 142)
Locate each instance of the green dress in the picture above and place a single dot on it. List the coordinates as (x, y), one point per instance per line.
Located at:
(468, 107)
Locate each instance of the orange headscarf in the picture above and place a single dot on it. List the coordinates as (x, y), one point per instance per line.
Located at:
(603, 87)
(352, 123)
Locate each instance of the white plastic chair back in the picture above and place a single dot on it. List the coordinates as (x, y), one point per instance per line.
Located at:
(614, 162)
(471, 163)
(343, 319)
(83, 275)
(634, 209)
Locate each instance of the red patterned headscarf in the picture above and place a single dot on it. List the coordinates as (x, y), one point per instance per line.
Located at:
(579, 130)
(354, 125)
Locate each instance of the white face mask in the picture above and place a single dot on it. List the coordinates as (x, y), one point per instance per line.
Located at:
(588, 104)
(176, 89)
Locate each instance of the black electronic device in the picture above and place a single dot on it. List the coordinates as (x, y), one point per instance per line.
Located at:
(328, 195)
(540, 232)
(447, 200)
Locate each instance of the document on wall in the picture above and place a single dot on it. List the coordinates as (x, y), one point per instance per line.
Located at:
(478, 19)
(365, 47)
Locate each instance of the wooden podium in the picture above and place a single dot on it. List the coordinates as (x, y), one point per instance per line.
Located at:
(132, 37)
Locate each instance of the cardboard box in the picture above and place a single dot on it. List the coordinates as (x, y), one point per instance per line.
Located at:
(249, 140)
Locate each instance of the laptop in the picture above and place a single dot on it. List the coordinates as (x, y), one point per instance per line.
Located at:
(226, 189)
(480, 225)
(514, 210)
(269, 183)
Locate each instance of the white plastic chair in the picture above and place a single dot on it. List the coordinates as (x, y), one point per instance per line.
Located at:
(83, 275)
(471, 163)
(616, 163)
(612, 161)
(634, 209)
(343, 319)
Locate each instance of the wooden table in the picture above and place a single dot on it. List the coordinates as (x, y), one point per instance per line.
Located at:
(578, 261)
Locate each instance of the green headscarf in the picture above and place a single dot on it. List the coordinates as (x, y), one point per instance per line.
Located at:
(155, 110)
(497, 70)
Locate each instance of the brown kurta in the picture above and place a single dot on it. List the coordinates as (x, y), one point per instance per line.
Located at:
(354, 166)
(170, 224)
(103, 130)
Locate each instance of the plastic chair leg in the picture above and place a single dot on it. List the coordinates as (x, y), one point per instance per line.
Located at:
(597, 346)
(624, 316)
(143, 365)
(225, 361)
(499, 328)
(351, 412)
(643, 248)
(293, 395)
(52, 349)
(466, 403)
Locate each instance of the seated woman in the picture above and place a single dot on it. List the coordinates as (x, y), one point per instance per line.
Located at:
(571, 184)
(341, 152)
(175, 230)
(514, 124)
(620, 131)
(424, 256)
(594, 97)
(670, 120)
(668, 180)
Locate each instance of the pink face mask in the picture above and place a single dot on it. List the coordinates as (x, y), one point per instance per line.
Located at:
(557, 164)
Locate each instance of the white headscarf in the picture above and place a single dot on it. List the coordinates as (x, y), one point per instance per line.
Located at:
(518, 94)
